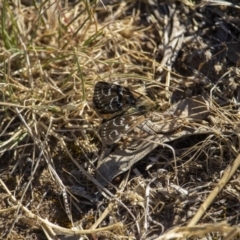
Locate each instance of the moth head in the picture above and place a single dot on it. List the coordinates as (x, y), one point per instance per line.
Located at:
(145, 105)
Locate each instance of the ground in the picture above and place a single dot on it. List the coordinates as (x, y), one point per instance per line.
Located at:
(120, 119)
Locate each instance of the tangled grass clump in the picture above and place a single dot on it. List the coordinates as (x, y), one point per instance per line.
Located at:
(52, 55)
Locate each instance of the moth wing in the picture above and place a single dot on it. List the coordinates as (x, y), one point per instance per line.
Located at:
(111, 99)
(111, 131)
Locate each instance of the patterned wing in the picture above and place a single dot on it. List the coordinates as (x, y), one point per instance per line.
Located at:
(121, 108)
(112, 130)
(111, 99)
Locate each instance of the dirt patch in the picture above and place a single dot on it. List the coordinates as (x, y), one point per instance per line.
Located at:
(120, 120)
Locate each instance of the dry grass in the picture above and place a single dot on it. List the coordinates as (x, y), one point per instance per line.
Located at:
(52, 55)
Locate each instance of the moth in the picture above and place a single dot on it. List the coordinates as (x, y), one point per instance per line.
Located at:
(120, 108)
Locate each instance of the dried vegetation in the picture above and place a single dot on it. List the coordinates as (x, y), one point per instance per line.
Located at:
(184, 56)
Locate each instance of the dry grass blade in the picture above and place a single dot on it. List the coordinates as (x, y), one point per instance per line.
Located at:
(60, 230)
(183, 232)
(177, 61)
(220, 185)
